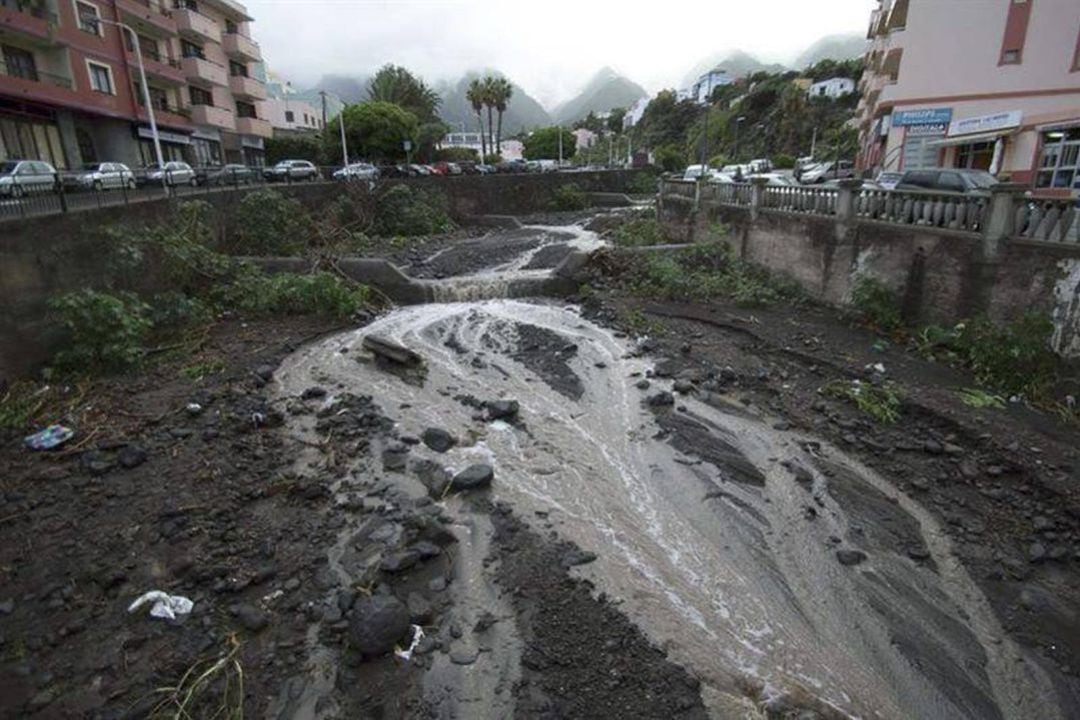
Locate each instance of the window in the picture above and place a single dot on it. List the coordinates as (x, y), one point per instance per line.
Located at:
(147, 46)
(1016, 22)
(26, 138)
(1059, 164)
(186, 5)
(290, 116)
(975, 156)
(951, 181)
(231, 28)
(19, 63)
(88, 17)
(237, 69)
(189, 49)
(200, 96)
(245, 110)
(100, 77)
(207, 152)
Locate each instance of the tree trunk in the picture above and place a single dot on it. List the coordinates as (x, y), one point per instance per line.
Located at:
(498, 135)
(483, 143)
(491, 127)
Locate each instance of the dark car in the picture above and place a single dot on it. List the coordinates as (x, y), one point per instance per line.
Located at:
(393, 171)
(947, 180)
(231, 174)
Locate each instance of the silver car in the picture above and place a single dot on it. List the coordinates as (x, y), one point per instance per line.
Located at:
(174, 173)
(22, 177)
(357, 171)
(103, 176)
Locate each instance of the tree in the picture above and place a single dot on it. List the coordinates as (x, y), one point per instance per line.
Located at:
(503, 91)
(490, 86)
(428, 135)
(615, 119)
(374, 131)
(294, 147)
(666, 120)
(475, 96)
(590, 122)
(395, 84)
(543, 144)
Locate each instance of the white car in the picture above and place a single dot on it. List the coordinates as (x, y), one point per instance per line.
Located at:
(291, 170)
(357, 171)
(22, 177)
(102, 176)
(174, 173)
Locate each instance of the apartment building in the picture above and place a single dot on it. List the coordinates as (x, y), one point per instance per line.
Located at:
(993, 85)
(290, 116)
(70, 91)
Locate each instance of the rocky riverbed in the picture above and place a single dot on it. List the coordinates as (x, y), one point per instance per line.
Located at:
(558, 512)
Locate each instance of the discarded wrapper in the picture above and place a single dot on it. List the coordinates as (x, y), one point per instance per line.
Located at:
(49, 438)
(165, 606)
(418, 635)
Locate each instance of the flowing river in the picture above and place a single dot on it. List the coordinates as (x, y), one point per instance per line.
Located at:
(708, 546)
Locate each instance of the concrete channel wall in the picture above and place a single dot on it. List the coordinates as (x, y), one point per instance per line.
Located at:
(939, 272)
(44, 256)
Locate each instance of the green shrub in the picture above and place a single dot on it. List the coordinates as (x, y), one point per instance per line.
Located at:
(639, 233)
(256, 293)
(1015, 359)
(882, 402)
(102, 331)
(643, 183)
(569, 197)
(406, 211)
(876, 304)
(781, 161)
(493, 159)
(457, 154)
(670, 158)
(175, 309)
(266, 222)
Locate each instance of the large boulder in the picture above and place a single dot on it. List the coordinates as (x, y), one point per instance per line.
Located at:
(502, 409)
(377, 624)
(438, 439)
(473, 477)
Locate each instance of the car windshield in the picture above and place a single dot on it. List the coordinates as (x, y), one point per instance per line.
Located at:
(91, 167)
(7, 167)
(980, 179)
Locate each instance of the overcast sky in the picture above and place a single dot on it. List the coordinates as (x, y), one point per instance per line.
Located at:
(549, 47)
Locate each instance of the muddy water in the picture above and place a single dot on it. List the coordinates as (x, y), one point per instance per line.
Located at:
(710, 549)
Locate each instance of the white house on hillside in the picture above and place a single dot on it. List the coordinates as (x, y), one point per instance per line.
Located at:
(832, 88)
(707, 82)
(634, 113)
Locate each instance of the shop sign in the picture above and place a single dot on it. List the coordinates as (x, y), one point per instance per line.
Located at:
(165, 136)
(985, 123)
(929, 130)
(928, 116)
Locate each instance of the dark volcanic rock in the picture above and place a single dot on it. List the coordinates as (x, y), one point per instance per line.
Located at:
(438, 439)
(662, 399)
(251, 617)
(850, 557)
(577, 557)
(131, 456)
(473, 477)
(377, 624)
(502, 409)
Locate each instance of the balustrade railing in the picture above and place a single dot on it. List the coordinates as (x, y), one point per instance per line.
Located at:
(801, 199)
(948, 210)
(1047, 219)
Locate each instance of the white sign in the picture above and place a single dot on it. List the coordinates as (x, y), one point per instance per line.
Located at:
(931, 130)
(985, 123)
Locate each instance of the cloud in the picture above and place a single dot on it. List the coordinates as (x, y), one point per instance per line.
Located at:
(551, 47)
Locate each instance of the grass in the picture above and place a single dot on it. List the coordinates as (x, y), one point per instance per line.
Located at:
(974, 397)
(209, 690)
(21, 404)
(881, 402)
(198, 371)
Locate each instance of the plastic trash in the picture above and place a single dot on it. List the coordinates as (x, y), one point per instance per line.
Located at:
(50, 437)
(165, 606)
(418, 635)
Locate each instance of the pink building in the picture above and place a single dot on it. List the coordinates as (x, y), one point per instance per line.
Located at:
(993, 85)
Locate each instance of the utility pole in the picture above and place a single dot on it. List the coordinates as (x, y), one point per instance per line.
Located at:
(813, 141)
(146, 96)
(344, 147)
(705, 144)
(738, 121)
(560, 145)
(322, 95)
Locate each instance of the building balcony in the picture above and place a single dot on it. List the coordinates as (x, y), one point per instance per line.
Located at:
(213, 116)
(150, 13)
(157, 66)
(168, 117)
(238, 46)
(26, 19)
(201, 71)
(247, 88)
(41, 86)
(196, 25)
(254, 126)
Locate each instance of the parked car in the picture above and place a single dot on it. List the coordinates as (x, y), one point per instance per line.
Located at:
(105, 176)
(357, 171)
(888, 179)
(446, 168)
(693, 172)
(760, 165)
(292, 171)
(832, 170)
(174, 173)
(22, 177)
(512, 166)
(420, 170)
(485, 169)
(230, 174)
(947, 180)
(455, 169)
(775, 179)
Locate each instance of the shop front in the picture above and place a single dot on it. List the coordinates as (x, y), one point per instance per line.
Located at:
(1058, 169)
(921, 128)
(979, 143)
(30, 133)
(174, 146)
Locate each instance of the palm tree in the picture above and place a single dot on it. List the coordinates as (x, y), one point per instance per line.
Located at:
(504, 90)
(490, 92)
(476, 97)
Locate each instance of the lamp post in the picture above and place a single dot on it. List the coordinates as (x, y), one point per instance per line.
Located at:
(705, 143)
(560, 145)
(146, 97)
(738, 121)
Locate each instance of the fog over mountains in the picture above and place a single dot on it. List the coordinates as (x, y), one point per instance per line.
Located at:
(605, 90)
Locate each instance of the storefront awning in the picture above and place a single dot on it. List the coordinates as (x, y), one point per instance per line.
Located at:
(968, 139)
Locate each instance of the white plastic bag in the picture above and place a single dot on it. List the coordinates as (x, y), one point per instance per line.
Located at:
(165, 606)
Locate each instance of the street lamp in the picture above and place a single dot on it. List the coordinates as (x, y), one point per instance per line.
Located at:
(146, 97)
(738, 121)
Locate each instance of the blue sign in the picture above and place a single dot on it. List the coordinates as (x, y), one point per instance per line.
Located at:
(930, 116)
